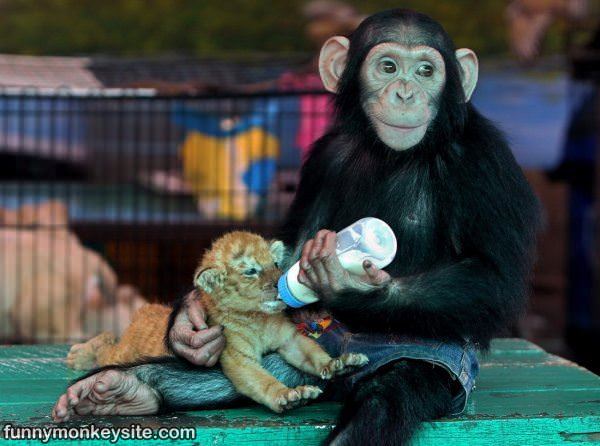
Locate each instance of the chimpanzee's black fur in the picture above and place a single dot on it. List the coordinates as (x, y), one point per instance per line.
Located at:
(462, 211)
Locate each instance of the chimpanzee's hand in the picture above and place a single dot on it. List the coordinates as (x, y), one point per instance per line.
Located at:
(192, 339)
(320, 269)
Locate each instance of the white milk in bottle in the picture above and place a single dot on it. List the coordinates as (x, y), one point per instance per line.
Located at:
(367, 239)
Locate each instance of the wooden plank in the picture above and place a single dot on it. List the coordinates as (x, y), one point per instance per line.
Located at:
(501, 345)
(524, 397)
(35, 391)
(482, 406)
(552, 404)
(519, 377)
(33, 351)
(309, 425)
(35, 369)
(536, 378)
(509, 358)
(512, 432)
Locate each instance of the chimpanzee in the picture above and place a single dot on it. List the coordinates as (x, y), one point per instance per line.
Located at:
(409, 148)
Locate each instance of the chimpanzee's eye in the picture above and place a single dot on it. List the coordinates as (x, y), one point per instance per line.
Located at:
(425, 70)
(388, 66)
(250, 272)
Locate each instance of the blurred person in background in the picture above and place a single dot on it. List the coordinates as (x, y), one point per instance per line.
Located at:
(324, 18)
(528, 21)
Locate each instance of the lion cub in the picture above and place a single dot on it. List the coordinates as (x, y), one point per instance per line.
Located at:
(143, 338)
(237, 280)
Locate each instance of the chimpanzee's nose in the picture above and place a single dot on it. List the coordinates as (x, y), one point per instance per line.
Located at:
(404, 92)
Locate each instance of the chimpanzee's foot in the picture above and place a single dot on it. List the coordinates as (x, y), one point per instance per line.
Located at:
(110, 392)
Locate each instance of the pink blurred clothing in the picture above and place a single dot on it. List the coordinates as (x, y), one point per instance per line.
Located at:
(315, 109)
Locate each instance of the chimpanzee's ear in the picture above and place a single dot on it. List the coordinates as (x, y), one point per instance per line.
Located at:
(332, 61)
(467, 59)
(277, 251)
(208, 279)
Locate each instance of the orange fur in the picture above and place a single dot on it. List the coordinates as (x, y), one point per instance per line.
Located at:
(237, 278)
(144, 337)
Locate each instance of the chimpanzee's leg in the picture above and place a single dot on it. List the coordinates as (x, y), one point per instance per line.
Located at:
(391, 404)
(168, 384)
(183, 386)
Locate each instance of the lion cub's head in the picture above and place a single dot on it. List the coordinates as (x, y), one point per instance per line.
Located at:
(240, 273)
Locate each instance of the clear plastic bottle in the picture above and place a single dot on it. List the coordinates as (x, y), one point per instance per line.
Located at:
(367, 239)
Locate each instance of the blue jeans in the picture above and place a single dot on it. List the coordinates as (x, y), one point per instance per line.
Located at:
(459, 360)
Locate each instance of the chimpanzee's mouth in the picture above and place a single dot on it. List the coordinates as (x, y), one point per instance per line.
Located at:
(401, 127)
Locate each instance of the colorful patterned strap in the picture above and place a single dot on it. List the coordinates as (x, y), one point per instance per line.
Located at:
(316, 328)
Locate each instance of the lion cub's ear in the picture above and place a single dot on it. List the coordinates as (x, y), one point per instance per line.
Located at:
(277, 251)
(208, 279)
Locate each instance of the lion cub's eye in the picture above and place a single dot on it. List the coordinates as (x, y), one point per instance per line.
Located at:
(251, 272)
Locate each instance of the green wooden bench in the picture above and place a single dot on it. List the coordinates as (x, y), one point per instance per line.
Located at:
(524, 396)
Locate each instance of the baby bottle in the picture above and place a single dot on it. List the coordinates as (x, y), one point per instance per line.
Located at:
(367, 239)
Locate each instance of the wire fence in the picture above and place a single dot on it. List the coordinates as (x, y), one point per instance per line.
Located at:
(108, 198)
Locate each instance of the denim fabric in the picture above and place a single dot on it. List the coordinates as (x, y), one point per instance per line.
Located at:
(459, 360)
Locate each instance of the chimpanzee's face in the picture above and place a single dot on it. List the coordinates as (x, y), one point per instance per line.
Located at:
(401, 86)
(401, 83)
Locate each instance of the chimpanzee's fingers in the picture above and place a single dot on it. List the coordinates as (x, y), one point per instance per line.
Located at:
(182, 333)
(203, 355)
(196, 314)
(203, 337)
(307, 266)
(319, 241)
(330, 270)
(304, 259)
(327, 254)
(316, 258)
(337, 277)
(320, 276)
(219, 347)
(190, 355)
(304, 280)
(213, 360)
(375, 275)
(313, 277)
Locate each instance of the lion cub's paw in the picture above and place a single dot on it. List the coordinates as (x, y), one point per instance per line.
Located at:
(81, 357)
(287, 398)
(344, 364)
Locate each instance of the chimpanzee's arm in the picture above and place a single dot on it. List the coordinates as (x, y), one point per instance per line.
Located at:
(176, 307)
(479, 293)
(467, 299)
